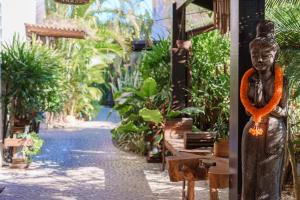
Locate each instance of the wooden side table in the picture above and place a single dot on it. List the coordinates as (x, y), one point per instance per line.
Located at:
(218, 177)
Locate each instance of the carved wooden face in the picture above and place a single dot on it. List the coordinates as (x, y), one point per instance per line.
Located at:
(262, 55)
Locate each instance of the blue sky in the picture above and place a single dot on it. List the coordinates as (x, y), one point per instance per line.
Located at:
(141, 8)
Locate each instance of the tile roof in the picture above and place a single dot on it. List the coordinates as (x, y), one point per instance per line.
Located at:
(54, 31)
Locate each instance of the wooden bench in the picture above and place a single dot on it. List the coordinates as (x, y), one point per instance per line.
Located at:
(193, 165)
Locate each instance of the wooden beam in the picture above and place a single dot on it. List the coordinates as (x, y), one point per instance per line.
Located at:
(208, 4)
(245, 15)
(200, 30)
(179, 58)
(183, 3)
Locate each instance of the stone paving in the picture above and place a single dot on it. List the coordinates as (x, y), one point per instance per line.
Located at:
(81, 163)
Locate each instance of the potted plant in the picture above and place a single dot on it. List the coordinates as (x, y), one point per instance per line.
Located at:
(221, 145)
(31, 82)
(210, 86)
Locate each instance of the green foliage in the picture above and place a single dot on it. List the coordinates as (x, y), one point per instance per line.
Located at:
(290, 58)
(32, 77)
(151, 115)
(81, 78)
(210, 82)
(120, 78)
(286, 18)
(148, 89)
(285, 15)
(192, 111)
(156, 64)
(36, 148)
(136, 106)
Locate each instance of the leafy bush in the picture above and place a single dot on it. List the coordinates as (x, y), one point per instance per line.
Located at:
(36, 148)
(156, 64)
(32, 81)
(210, 81)
(286, 18)
(31, 75)
(81, 78)
(131, 105)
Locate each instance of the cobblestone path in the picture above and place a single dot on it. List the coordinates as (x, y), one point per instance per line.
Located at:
(81, 163)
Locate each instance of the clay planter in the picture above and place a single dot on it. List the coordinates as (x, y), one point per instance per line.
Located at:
(184, 44)
(177, 127)
(221, 148)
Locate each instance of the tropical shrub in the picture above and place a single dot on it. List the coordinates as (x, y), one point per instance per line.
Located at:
(286, 18)
(37, 144)
(131, 104)
(156, 64)
(210, 82)
(142, 98)
(32, 80)
(81, 78)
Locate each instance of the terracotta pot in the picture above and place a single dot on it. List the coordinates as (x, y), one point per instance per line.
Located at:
(184, 44)
(221, 148)
(177, 127)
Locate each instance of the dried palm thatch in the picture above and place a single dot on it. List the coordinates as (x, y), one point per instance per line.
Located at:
(222, 15)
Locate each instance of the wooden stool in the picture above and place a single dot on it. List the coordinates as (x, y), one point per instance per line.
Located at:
(218, 177)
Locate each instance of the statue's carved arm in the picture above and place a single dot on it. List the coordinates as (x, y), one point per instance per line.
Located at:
(282, 109)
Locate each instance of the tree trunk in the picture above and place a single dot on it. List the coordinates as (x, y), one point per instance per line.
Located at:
(12, 116)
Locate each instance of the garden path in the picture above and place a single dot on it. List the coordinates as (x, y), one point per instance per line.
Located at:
(81, 163)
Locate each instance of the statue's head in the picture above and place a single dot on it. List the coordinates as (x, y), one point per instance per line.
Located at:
(263, 48)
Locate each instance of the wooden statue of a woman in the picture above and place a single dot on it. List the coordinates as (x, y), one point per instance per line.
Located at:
(264, 94)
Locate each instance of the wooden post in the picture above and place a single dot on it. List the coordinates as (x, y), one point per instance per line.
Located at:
(178, 59)
(245, 15)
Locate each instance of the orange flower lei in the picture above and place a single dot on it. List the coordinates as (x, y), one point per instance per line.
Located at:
(259, 113)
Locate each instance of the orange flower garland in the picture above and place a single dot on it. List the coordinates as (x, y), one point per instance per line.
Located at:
(259, 113)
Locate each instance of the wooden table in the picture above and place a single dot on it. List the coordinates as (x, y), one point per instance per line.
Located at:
(218, 175)
(176, 145)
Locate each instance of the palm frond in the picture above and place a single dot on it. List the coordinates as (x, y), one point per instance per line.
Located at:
(275, 3)
(287, 20)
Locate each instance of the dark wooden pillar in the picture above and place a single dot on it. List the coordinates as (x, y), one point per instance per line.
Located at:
(179, 59)
(245, 14)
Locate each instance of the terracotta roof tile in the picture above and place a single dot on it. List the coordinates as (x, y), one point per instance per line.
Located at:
(54, 31)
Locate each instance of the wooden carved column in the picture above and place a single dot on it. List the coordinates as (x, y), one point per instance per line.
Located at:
(245, 15)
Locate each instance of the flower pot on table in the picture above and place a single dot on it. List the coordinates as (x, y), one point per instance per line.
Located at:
(221, 148)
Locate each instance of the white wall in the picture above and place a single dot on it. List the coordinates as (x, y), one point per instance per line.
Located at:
(40, 11)
(14, 14)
